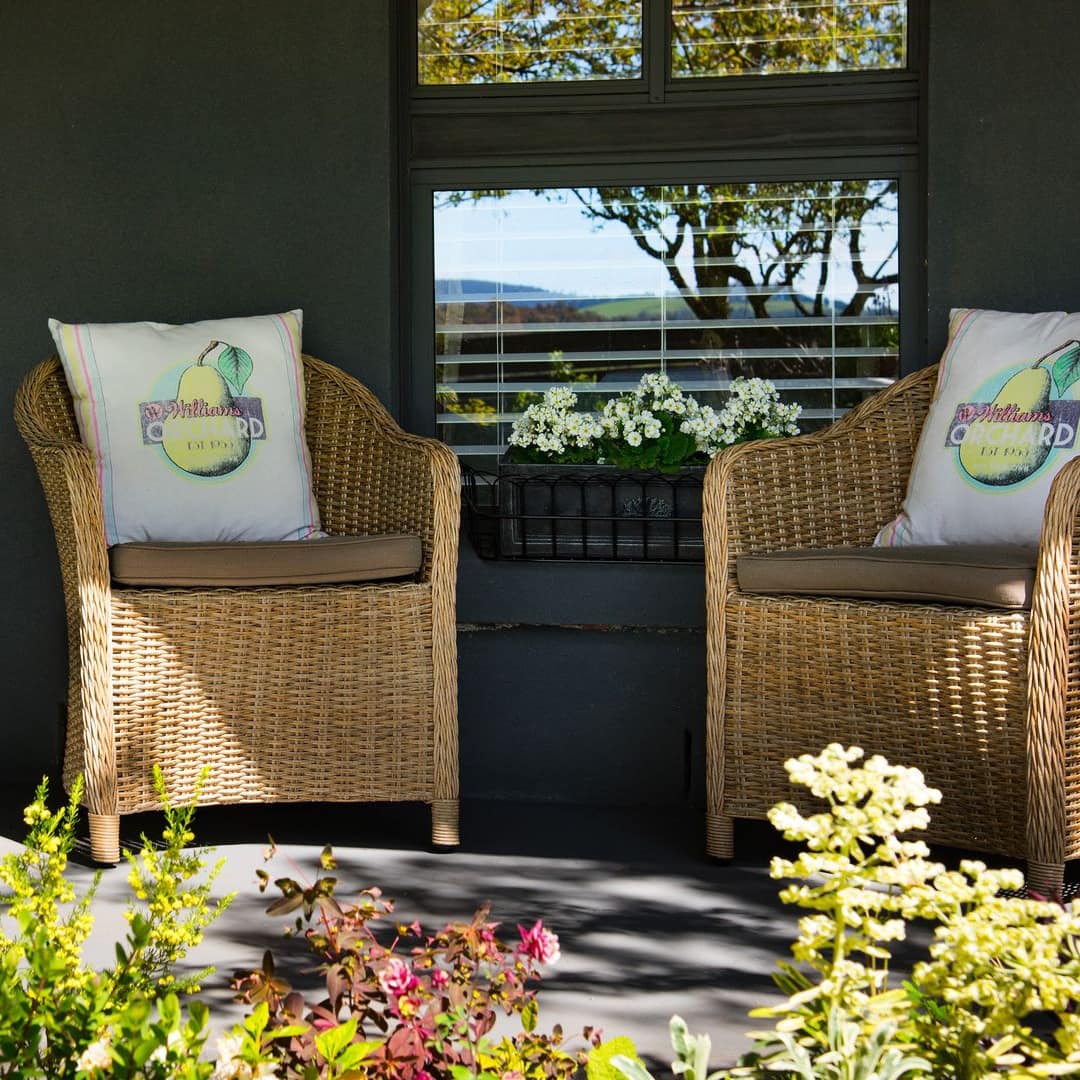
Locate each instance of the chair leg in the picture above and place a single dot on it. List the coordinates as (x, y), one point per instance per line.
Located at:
(444, 823)
(719, 836)
(1047, 879)
(105, 837)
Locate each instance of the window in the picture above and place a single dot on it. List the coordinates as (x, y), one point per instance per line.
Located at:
(500, 41)
(751, 37)
(795, 282)
(495, 41)
(601, 188)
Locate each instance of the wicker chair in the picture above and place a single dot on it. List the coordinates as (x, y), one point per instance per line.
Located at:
(985, 702)
(343, 693)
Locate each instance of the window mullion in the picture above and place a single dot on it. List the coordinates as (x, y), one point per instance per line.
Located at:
(656, 46)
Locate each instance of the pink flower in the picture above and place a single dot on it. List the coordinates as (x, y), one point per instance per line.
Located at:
(439, 979)
(513, 1074)
(539, 944)
(397, 978)
(422, 1074)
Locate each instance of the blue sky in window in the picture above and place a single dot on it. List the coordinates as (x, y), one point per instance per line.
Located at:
(525, 239)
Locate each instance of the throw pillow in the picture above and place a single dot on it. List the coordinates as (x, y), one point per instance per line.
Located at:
(198, 430)
(1003, 422)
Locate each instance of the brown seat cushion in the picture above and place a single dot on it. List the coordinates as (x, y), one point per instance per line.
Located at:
(284, 562)
(999, 577)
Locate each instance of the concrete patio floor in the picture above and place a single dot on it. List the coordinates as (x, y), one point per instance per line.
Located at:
(648, 925)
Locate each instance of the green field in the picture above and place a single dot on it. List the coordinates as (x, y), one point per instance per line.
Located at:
(645, 307)
(677, 308)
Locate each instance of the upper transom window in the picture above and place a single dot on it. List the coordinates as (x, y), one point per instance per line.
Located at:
(507, 41)
(789, 37)
(463, 42)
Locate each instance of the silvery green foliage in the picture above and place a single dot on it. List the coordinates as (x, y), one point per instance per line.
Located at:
(691, 1056)
(852, 1054)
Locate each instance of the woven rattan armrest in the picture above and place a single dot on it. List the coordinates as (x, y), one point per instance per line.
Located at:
(67, 474)
(371, 477)
(1053, 729)
(833, 488)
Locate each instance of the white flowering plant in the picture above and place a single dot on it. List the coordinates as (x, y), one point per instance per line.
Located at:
(657, 425)
(552, 431)
(755, 411)
(997, 992)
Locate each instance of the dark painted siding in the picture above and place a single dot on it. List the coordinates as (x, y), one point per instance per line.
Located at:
(175, 160)
(583, 716)
(178, 160)
(1004, 168)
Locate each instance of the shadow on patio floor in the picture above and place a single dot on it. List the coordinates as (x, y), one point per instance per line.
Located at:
(648, 925)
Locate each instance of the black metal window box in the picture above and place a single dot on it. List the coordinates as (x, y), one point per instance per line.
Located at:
(587, 512)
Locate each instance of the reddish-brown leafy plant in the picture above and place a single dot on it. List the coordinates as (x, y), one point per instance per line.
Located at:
(425, 1005)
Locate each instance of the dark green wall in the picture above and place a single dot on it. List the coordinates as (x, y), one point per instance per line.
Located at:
(1004, 169)
(182, 159)
(176, 160)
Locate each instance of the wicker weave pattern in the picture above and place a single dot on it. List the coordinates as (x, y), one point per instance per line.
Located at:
(200, 697)
(345, 693)
(962, 729)
(1054, 678)
(985, 703)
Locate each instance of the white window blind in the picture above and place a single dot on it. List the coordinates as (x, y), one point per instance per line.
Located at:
(493, 41)
(772, 37)
(593, 287)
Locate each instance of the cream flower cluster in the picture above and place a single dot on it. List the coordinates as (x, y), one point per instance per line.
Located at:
(231, 1065)
(857, 865)
(753, 410)
(96, 1057)
(552, 425)
(636, 415)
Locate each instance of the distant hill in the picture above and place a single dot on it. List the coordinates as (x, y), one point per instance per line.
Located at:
(462, 289)
(616, 309)
(780, 306)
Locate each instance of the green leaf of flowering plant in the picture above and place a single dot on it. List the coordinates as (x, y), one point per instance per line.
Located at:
(529, 1015)
(255, 1023)
(932, 1006)
(290, 1031)
(630, 1067)
(604, 1061)
(287, 903)
(332, 1042)
(354, 1054)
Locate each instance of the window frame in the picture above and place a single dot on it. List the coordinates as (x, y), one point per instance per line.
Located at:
(655, 82)
(889, 105)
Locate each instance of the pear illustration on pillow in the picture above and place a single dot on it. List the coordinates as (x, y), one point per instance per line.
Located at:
(1015, 436)
(205, 435)
(1002, 452)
